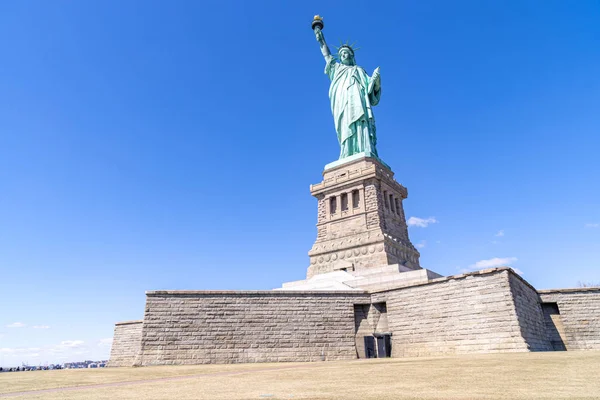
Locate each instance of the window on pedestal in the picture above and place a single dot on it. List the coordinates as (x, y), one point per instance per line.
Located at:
(392, 202)
(344, 201)
(355, 198)
(397, 206)
(332, 205)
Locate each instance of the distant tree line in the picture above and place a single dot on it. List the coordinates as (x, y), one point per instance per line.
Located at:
(588, 284)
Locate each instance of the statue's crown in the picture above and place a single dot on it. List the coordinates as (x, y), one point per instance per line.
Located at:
(347, 46)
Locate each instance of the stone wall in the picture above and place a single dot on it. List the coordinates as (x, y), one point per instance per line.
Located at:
(470, 313)
(198, 327)
(529, 313)
(488, 311)
(126, 343)
(578, 318)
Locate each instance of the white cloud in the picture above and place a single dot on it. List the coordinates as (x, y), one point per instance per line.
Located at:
(105, 342)
(16, 325)
(6, 350)
(41, 327)
(494, 262)
(420, 222)
(491, 263)
(19, 350)
(592, 225)
(71, 343)
(518, 271)
(500, 233)
(66, 345)
(421, 244)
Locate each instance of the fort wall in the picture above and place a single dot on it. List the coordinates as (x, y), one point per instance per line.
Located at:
(126, 343)
(529, 314)
(470, 313)
(488, 311)
(573, 317)
(199, 327)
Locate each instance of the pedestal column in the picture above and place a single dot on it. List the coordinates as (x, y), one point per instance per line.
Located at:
(373, 234)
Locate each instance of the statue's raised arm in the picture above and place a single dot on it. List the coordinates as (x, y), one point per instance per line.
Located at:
(352, 94)
(320, 38)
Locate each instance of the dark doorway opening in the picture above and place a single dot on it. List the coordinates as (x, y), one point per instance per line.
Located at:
(384, 345)
(370, 347)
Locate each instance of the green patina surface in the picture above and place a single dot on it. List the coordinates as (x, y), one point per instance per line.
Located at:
(352, 94)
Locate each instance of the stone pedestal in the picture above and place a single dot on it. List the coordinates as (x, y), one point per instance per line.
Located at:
(361, 222)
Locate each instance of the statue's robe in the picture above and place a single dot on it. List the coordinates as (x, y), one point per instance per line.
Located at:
(352, 94)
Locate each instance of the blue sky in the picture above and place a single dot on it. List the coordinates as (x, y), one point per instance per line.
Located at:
(171, 145)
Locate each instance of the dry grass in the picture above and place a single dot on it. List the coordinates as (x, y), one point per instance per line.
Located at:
(38, 380)
(560, 375)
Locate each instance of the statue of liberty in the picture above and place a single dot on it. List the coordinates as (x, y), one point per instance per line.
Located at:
(352, 94)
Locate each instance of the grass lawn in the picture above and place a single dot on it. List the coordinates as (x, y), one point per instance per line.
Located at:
(553, 375)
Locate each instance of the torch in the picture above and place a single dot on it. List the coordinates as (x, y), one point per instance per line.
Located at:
(317, 23)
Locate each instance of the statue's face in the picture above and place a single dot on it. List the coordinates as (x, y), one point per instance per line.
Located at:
(346, 57)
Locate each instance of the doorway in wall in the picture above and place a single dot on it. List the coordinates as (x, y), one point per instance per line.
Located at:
(384, 344)
(370, 347)
(372, 335)
(378, 346)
